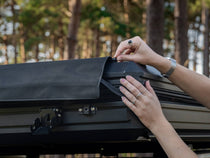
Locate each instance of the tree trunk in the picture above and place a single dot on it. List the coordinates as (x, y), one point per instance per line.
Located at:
(97, 42)
(22, 47)
(155, 25)
(6, 50)
(22, 50)
(114, 44)
(144, 20)
(37, 52)
(86, 51)
(205, 21)
(61, 48)
(73, 28)
(92, 43)
(89, 50)
(5, 41)
(14, 42)
(126, 16)
(61, 41)
(52, 47)
(181, 28)
(195, 42)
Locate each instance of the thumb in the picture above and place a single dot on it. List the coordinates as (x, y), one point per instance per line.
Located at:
(126, 57)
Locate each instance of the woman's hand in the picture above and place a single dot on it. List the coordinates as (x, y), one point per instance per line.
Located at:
(143, 102)
(135, 49)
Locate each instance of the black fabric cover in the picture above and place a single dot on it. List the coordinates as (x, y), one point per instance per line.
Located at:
(59, 80)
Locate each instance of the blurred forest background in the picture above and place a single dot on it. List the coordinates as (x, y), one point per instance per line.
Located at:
(48, 30)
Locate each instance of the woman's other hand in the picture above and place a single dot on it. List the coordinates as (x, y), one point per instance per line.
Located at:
(143, 102)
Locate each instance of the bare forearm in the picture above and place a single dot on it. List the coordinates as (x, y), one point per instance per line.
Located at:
(148, 109)
(172, 144)
(144, 102)
(194, 84)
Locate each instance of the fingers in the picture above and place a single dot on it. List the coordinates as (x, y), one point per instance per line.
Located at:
(137, 84)
(129, 95)
(146, 106)
(130, 87)
(126, 57)
(127, 46)
(134, 90)
(132, 93)
(121, 48)
(128, 51)
(129, 104)
(149, 88)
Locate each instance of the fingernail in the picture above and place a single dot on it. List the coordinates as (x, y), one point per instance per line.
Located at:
(122, 80)
(123, 98)
(128, 77)
(121, 88)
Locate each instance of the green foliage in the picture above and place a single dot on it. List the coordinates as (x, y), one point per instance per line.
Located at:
(40, 21)
(207, 2)
(107, 14)
(169, 21)
(194, 9)
(30, 42)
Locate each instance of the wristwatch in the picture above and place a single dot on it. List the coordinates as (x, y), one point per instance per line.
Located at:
(172, 68)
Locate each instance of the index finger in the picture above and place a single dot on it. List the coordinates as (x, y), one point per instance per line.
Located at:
(137, 84)
(121, 48)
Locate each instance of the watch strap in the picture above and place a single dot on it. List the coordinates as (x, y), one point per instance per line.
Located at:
(172, 68)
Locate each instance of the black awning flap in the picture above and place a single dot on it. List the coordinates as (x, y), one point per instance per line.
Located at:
(59, 80)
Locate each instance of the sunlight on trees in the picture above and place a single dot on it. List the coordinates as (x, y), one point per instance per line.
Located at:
(43, 30)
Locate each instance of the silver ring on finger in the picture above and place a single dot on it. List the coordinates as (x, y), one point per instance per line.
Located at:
(138, 94)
